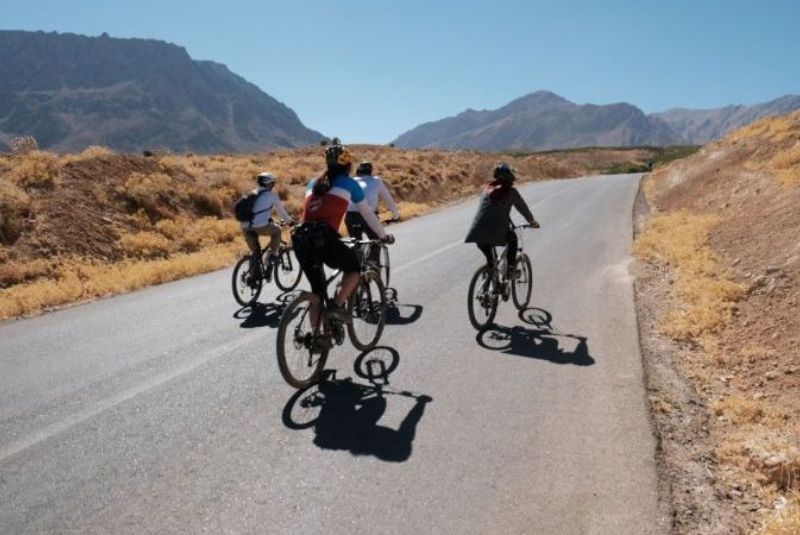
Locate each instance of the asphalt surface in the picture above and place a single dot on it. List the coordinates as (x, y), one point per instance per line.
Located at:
(164, 411)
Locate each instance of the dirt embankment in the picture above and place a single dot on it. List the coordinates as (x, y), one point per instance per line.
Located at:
(718, 289)
(75, 227)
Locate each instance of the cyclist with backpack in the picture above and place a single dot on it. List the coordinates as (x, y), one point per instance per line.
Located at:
(316, 239)
(491, 225)
(254, 212)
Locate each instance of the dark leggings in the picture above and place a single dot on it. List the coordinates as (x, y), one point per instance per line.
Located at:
(511, 237)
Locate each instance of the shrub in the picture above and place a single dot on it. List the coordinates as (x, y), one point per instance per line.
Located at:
(145, 245)
(154, 193)
(15, 208)
(35, 169)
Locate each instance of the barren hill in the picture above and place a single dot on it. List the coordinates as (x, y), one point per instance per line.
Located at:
(719, 293)
(541, 120)
(701, 126)
(71, 91)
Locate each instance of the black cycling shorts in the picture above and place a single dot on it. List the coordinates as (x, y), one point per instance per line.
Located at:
(315, 243)
(356, 226)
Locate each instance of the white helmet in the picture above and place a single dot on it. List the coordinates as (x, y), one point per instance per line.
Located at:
(265, 179)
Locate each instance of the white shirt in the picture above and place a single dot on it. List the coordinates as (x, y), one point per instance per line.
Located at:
(374, 188)
(263, 208)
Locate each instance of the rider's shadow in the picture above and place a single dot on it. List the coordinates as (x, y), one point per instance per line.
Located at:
(539, 342)
(345, 415)
(398, 313)
(264, 314)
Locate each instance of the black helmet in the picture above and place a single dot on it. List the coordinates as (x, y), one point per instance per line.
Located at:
(504, 172)
(265, 180)
(364, 169)
(337, 155)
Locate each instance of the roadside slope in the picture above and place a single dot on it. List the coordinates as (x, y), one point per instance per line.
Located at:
(718, 296)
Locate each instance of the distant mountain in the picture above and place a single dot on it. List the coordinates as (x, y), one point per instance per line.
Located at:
(544, 120)
(541, 120)
(701, 126)
(71, 91)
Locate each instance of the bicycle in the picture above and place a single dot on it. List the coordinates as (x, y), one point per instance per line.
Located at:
(383, 266)
(283, 266)
(490, 284)
(303, 341)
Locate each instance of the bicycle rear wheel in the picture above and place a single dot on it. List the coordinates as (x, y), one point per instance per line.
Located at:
(367, 307)
(301, 349)
(522, 286)
(246, 289)
(287, 270)
(481, 299)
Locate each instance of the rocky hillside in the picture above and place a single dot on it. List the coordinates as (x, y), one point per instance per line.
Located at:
(697, 127)
(541, 120)
(70, 91)
(718, 293)
(544, 120)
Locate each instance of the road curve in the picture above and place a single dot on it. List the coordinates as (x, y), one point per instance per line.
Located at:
(163, 410)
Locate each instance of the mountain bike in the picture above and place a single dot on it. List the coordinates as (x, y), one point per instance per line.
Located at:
(306, 334)
(382, 266)
(247, 283)
(490, 284)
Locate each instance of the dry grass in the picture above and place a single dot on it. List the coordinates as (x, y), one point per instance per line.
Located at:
(80, 280)
(35, 169)
(786, 166)
(680, 241)
(784, 521)
(15, 208)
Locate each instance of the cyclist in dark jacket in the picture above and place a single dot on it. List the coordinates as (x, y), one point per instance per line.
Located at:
(491, 225)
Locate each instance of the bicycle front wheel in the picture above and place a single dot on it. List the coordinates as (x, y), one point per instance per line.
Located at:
(367, 307)
(481, 299)
(287, 270)
(302, 349)
(522, 286)
(246, 289)
(385, 267)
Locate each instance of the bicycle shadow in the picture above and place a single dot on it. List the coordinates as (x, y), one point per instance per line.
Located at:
(345, 414)
(398, 313)
(540, 342)
(264, 314)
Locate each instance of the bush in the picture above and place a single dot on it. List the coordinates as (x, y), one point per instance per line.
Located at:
(15, 209)
(35, 169)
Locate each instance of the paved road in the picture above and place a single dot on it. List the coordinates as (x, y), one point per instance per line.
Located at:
(163, 410)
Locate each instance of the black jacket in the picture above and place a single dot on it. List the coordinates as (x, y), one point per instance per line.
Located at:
(490, 225)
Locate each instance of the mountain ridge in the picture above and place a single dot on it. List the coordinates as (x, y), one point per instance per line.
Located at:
(70, 91)
(543, 120)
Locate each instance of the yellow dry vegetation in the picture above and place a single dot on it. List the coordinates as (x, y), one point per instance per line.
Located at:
(785, 521)
(34, 169)
(786, 165)
(680, 240)
(743, 411)
(81, 280)
(774, 128)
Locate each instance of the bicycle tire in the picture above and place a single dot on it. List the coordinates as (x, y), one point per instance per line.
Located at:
(366, 311)
(291, 345)
(522, 286)
(284, 271)
(385, 267)
(481, 282)
(245, 294)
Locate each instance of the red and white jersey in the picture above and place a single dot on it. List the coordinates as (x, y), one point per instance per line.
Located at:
(331, 206)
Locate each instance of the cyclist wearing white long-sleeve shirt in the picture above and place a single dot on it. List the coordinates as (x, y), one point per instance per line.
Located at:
(261, 224)
(374, 190)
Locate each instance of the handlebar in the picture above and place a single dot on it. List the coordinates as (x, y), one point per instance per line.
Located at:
(525, 225)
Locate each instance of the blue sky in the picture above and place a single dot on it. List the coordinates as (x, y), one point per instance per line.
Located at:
(369, 70)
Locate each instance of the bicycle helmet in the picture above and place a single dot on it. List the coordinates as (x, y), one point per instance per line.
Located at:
(265, 180)
(504, 172)
(364, 169)
(337, 155)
